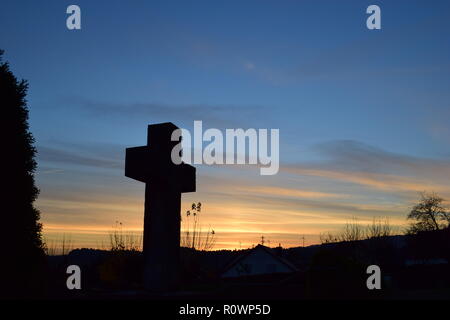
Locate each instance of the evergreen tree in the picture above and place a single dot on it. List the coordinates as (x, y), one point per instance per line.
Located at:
(23, 256)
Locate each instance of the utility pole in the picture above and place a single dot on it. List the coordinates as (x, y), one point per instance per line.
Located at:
(262, 240)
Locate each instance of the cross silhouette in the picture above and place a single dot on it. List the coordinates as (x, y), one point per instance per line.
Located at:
(164, 183)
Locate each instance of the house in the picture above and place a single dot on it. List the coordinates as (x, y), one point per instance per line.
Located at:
(260, 260)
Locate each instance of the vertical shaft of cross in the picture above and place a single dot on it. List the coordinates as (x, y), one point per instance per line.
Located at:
(161, 236)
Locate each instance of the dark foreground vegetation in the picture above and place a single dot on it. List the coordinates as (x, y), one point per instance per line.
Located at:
(413, 267)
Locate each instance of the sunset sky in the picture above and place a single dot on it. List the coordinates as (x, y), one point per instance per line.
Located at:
(363, 114)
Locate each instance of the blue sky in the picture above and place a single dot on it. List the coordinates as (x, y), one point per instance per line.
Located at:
(363, 115)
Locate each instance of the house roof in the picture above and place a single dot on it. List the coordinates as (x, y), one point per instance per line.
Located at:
(267, 250)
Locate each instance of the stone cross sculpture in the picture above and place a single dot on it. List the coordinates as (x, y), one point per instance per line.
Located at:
(164, 183)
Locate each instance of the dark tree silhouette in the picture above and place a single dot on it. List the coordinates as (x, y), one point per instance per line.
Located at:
(22, 257)
(429, 214)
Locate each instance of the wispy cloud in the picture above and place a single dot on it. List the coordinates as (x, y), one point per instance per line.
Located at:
(289, 192)
(75, 157)
(368, 166)
(216, 115)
